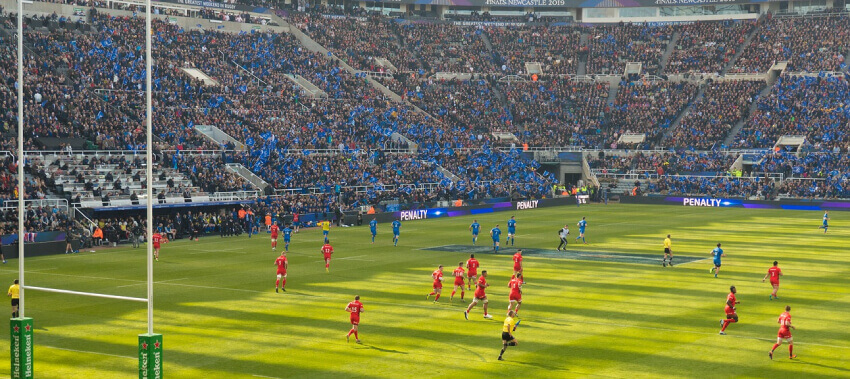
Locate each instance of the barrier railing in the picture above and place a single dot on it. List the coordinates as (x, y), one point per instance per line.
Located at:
(49, 203)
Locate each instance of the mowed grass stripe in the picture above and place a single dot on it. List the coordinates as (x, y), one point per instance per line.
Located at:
(221, 319)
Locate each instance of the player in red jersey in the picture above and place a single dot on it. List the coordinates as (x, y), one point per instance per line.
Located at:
(156, 239)
(471, 270)
(731, 316)
(355, 308)
(774, 273)
(784, 333)
(459, 275)
(327, 250)
(296, 221)
(437, 275)
(480, 286)
(515, 296)
(274, 229)
(282, 264)
(518, 266)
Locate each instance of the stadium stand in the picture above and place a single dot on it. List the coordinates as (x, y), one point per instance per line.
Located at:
(448, 137)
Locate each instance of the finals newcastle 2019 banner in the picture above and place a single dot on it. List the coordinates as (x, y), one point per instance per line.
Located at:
(571, 3)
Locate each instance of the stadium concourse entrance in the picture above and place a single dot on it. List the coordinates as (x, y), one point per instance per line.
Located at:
(597, 256)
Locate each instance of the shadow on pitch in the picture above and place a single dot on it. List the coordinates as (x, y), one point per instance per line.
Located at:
(844, 369)
(371, 347)
(540, 366)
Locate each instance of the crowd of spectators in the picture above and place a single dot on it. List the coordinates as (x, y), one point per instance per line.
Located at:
(610, 164)
(665, 163)
(466, 110)
(559, 112)
(610, 47)
(684, 163)
(707, 47)
(811, 106)
(714, 186)
(815, 43)
(37, 219)
(557, 48)
(647, 107)
(449, 48)
(712, 116)
(209, 173)
(810, 175)
(491, 173)
(87, 85)
(359, 41)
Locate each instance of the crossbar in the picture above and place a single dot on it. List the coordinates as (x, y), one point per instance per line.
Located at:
(92, 294)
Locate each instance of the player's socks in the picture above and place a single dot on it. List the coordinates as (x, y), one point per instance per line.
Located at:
(453, 294)
(437, 298)
(277, 283)
(791, 351)
(503, 352)
(774, 347)
(357, 337)
(461, 294)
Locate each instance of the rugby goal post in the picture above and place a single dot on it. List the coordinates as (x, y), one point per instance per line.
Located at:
(21, 327)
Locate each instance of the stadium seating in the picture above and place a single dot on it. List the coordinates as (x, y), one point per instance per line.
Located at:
(712, 116)
(812, 106)
(814, 43)
(707, 47)
(86, 84)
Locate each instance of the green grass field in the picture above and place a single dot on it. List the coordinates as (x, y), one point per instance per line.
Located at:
(220, 317)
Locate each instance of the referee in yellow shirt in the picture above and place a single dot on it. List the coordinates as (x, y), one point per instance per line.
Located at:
(668, 252)
(508, 327)
(326, 228)
(15, 294)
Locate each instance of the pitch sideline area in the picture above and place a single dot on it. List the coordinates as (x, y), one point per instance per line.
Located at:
(581, 317)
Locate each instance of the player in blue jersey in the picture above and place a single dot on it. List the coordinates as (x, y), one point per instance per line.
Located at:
(474, 227)
(511, 231)
(496, 233)
(717, 253)
(373, 227)
(287, 236)
(396, 231)
(825, 221)
(581, 225)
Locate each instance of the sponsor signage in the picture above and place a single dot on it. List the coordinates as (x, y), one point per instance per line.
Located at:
(215, 4)
(427, 213)
(21, 331)
(789, 204)
(569, 3)
(698, 202)
(527, 204)
(150, 356)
